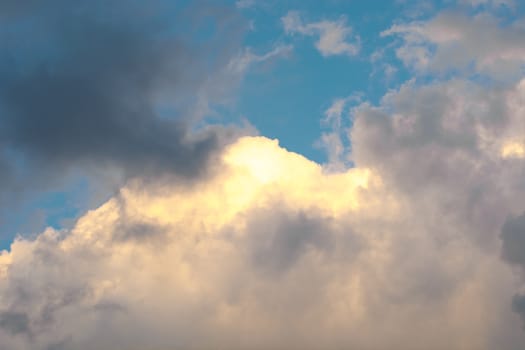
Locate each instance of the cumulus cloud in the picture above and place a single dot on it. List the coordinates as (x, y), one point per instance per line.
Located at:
(273, 252)
(335, 37)
(454, 132)
(452, 42)
(442, 146)
(241, 247)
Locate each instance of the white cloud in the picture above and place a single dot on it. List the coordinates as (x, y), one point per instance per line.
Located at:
(453, 42)
(334, 37)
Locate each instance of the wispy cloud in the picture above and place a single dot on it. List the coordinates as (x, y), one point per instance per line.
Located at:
(334, 37)
(335, 140)
(247, 58)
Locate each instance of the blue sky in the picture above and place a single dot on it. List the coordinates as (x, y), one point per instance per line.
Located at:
(314, 79)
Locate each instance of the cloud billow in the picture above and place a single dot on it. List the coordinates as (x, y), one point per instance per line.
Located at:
(269, 252)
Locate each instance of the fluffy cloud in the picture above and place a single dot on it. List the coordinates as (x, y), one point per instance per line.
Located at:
(334, 36)
(226, 263)
(444, 147)
(452, 42)
(401, 251)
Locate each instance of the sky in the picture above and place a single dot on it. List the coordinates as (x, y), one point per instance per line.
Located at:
(262, 174)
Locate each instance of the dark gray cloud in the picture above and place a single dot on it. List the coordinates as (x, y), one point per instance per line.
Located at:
(513, 240)
(518, 305)
(90, 84)
(14, 322)
(513, 252)
(107, 91)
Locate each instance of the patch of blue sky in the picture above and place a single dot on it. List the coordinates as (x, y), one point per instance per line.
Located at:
(287, 100)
